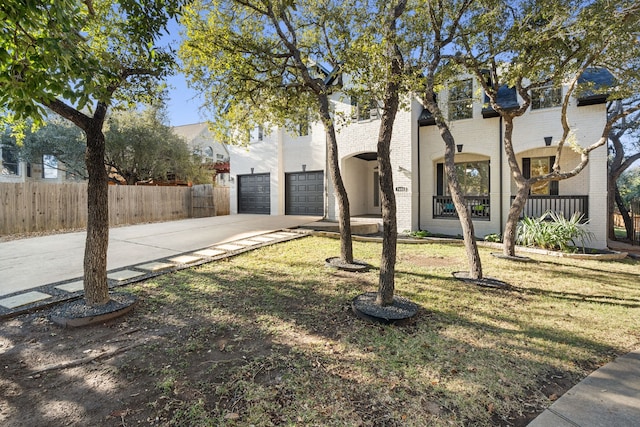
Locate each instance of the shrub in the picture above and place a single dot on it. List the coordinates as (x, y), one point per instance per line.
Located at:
(495, 238)
(553, 231)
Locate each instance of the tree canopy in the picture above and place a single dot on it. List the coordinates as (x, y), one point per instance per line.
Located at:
(78, 59)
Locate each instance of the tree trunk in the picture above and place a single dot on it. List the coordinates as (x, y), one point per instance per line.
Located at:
(344, 214)
(522, 194)
(96, 289)
(509, 235)
(471, 247)
(611, 201)
(386, 283)
(628, 221)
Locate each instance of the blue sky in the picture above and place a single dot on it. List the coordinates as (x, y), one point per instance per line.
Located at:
(183, 107)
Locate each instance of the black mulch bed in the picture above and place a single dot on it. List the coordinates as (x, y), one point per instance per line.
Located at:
(355, 266)
(365, 307)
(78, 313)
(485, 282)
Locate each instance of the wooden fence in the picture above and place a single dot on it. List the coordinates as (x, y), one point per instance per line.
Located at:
(39, 206)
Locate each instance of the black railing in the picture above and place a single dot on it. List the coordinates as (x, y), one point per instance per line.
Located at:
(478, 206)
(536, 206)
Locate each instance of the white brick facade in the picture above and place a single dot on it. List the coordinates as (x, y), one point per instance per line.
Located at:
(415, 153)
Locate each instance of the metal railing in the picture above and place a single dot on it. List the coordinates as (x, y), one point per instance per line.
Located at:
(478, 206)
(536, 205)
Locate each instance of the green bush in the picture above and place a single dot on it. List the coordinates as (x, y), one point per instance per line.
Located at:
(495, 238)
(553, 231)
(420, 233)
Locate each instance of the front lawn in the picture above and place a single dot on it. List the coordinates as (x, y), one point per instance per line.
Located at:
(268, 338)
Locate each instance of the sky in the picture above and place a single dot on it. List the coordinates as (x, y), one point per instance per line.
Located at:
(183, 107)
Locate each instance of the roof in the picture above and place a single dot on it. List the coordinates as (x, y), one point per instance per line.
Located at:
(190, 132)
(507, 98)
(598, 79)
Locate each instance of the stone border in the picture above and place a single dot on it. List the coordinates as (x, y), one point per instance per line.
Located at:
(354, 267)
(364, 306)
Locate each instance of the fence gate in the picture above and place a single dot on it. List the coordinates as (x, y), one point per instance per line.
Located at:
(202, 203)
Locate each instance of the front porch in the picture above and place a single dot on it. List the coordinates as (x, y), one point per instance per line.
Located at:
(478, 206)
(537, 205)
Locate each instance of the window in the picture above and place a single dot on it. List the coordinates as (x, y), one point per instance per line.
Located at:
(363, 109)
(9, 164)
(537, 166)
(208, 151)
(546, 97)
(219, 157)
(303, 128)
(472, 176)
(461, 100)
(49, 167)
(257, 134)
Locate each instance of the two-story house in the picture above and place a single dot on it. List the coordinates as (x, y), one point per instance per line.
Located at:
(281, 173)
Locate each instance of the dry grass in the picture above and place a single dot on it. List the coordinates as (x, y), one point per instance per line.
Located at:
(474, 356)
(267, 339)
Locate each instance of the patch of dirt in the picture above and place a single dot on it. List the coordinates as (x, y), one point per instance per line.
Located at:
(428, 261)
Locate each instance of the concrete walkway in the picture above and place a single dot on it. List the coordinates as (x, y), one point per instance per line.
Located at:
(609, 397)
(56, 261)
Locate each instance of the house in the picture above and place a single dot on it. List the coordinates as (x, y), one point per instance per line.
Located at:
(281, 173)
(213, 154)
(15, 170)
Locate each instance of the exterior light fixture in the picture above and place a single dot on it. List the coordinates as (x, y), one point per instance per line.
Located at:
(459, 148)
(251, 171)
(547, 140)
(304, 168)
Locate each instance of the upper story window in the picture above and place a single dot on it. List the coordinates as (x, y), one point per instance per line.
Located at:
(257, 134)
(219, 156)
(461, 100)
(363, 109)
(303, 128)
(546, 97)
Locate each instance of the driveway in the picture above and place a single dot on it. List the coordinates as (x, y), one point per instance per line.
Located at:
(34, 262)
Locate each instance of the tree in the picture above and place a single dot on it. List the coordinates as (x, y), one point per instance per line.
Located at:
(78, 58)
(57, 138)
(257, 63)
(530, 45)
(624, 151)
(383, 76)
(140, 148)
(439, 25)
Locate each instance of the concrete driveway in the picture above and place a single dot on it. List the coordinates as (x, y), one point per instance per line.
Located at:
(30, 263)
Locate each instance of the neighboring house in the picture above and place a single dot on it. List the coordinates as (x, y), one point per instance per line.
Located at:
(279, 173)
(213, 154)
(13, 169)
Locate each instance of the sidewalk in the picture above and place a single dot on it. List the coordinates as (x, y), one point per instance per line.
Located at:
(43, 270)
(609, 397)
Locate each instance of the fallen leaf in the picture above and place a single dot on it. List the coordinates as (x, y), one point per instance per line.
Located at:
(232, 416)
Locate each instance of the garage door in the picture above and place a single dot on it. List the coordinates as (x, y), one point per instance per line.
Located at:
(304, 193)
(254, 193)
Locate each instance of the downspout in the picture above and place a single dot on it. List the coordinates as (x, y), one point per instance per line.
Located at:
(501, 175)
(419, 200)
(326, 178)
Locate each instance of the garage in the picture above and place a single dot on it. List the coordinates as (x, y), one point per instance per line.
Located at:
(254, 193)
(304, 193)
